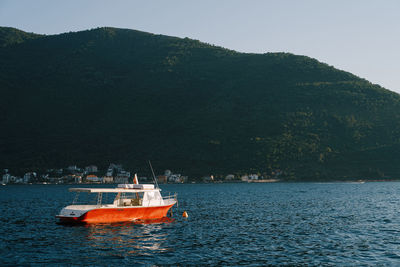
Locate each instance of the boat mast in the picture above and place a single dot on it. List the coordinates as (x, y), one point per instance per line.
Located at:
(154, 177)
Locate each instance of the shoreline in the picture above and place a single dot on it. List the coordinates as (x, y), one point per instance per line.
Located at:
(356, 181)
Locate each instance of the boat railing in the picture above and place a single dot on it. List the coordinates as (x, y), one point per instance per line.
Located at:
(98, 199)
(170, 198)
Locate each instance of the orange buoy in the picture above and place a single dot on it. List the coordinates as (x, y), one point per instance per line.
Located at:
(185, 215)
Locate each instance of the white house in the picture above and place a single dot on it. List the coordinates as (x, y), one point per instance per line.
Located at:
(253, 177)
(108, 179)
(174, 178)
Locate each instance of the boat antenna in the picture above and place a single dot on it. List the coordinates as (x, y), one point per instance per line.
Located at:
(154, 177)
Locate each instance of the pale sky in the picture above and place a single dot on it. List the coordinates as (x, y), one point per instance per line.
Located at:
(359, 36)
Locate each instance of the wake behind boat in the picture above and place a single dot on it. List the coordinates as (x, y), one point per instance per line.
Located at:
(130, 202)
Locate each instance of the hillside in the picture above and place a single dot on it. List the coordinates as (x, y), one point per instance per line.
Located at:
(10, 36)
(116, 95)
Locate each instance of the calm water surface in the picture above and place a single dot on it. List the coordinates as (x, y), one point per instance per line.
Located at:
(228, 224)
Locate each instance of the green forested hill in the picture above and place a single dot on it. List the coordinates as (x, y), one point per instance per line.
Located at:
(10, 36)
(116, 95)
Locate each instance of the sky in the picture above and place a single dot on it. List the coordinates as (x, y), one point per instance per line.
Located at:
(359, 36)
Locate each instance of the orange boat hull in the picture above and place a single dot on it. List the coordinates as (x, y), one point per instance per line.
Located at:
(111, 215)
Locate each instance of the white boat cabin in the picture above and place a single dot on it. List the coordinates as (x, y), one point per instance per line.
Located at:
(126, 195)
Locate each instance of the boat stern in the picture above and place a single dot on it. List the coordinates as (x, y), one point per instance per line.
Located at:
(72, 214)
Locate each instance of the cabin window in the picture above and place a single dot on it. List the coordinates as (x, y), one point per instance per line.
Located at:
(85, 199)
(121, 199)
(129, 199)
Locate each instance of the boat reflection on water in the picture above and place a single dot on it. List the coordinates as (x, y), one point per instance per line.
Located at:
(155, 221)
(144, 237)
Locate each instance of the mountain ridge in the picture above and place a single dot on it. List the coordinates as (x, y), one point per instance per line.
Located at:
(120, 95)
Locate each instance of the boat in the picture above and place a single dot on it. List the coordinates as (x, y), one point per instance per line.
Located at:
(130, 202)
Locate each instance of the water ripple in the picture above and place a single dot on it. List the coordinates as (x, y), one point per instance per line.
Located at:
(228, 224)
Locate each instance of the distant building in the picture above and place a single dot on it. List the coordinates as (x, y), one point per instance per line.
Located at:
(6, 178)
(108, 179)
(125, 174)
(93, 178)
(72, 168)
(91, 169)
(244, 178)
(229, 177)
(122, 177)
(77, 179)
(177, 178)
(115, 167)
(66, 179)
(121, 180)
(109, 172)
(29, 176)
(118, 167)
(171, 177)
(56, 180)
(174, 178)
(253, 177)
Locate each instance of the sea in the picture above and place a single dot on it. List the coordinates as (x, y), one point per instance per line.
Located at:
(345, 224)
